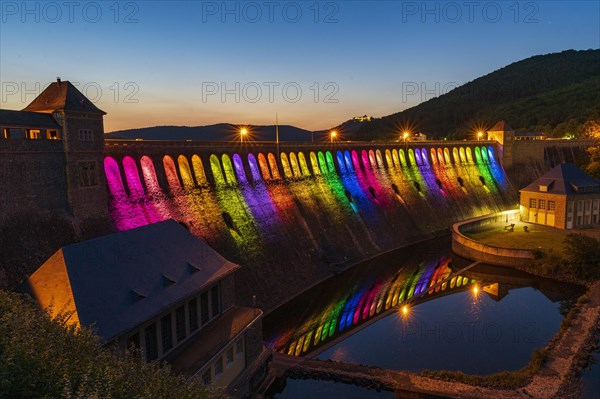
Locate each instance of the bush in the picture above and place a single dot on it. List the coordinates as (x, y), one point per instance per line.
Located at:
(582, 256)
(43, 358)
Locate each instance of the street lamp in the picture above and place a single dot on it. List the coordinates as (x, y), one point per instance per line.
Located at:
(333, 135)
(479, 135)
(243, 132)
(405, 135)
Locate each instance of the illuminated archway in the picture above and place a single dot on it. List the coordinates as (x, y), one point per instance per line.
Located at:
(239, 169)
(228, 169)
(186, 173)
(171, 172)
(199, 170)
(285, 163)
(215, 167)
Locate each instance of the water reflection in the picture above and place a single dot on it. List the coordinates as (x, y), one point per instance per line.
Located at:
(408, 310)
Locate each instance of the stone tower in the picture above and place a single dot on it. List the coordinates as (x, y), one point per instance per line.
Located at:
(83, 141)
(505, 135)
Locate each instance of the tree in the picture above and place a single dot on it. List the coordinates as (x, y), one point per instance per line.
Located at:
(44, 358)
(582, 255)
(593, 165)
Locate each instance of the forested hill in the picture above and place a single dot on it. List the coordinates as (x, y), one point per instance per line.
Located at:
(554, 93)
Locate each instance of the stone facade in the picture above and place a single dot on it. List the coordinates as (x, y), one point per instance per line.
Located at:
(51, 156)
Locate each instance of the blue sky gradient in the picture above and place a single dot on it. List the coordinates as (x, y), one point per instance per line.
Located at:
(166, 63)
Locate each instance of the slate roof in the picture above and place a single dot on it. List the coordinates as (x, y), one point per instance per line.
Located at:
(62, 95)
(27, 119)
(119, 281)
(564, 179)
(500, 126)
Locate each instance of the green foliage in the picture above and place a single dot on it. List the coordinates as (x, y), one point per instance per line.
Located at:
(592, 166)
(44, 358)
(555, 93)
(582, 256)
(579, 258)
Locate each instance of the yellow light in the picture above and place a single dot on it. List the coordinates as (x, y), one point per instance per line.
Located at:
(405, 135)
(475, 289)
(404, 310)
(243, 131)
(333, 134)
(479, 135)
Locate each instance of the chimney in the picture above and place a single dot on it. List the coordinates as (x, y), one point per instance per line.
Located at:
(58, 80)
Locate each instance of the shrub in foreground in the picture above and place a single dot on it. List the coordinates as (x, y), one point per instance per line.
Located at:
(44, 358)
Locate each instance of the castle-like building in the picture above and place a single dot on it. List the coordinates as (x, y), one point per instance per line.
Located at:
(51, 155)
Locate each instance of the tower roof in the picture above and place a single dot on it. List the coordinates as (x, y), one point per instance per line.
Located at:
(62, 96)
(565, 179)
(501, 126)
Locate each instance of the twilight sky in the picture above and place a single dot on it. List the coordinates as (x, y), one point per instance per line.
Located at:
(316, 64)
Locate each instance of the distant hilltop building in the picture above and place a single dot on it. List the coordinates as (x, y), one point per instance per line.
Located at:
(419, 137)
(363, 118)
(565, 198)
(51, 155)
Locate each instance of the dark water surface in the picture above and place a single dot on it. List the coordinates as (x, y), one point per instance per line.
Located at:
(396, 312)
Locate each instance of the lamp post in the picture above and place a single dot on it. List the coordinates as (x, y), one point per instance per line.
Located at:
(405, 137)
(333, 135)
(243, 132)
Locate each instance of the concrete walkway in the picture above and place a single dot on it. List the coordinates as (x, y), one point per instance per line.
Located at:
(524, 235)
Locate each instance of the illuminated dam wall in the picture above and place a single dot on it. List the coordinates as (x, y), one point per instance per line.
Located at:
(294, 214)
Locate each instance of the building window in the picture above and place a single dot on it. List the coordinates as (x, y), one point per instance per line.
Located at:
(193, 314)
(88, 175)
(579, 219)
(588, 205)
(215, 301)
(52, 134)
(13, 133)
(204, 315)
(180, 324)
(570, 206)
(239, 346)
(219, 366)
(532, 203)
(229, 356)
(33, 134)
(542, 204)
(166, 333)
(206, 380)
(86, 135)
(151, 341)
(551, 205)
